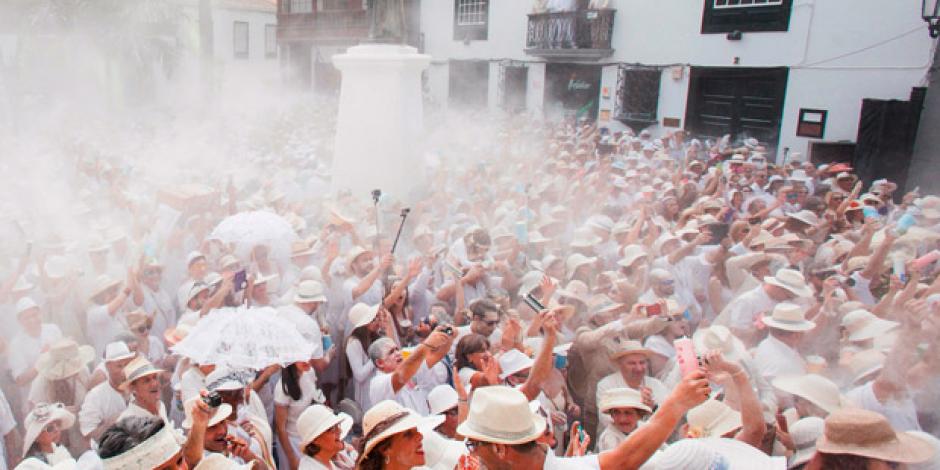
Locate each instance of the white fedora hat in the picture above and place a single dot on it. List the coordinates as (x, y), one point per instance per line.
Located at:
(805, 216)
(218, 414)
(788, 317)
(362, 314)
(103, 283)
(814, 388)
(576, 260)
(441, 453)
(139, 367)
(513, 361)
(718, 337)
(318, 419)
(442, 398)
(117, 351)
(792, 281)
(713, 419)
(387, 418)
(584, 237)
(865, 363)
(624, 397)
(630, 347)
(309, 291)
(25, 304)
(500, 414)
(631, 253)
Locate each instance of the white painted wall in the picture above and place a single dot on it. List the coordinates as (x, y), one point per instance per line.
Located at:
(839, 52)
(223, 21)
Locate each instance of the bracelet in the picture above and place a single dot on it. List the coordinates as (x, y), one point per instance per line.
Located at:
(461, 400)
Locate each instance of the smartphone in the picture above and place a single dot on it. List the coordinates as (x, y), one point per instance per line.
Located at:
(719, 232)
(457, 272)
(924, 261)
(327, 342)
(653, 309)
(581, 435)
(561, 362)
(240, 281)
(533, 303)
(685, 356)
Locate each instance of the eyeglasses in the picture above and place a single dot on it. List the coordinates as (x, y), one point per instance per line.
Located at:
(472, 445)
(451, 412)
(52, 427)
(143, 329)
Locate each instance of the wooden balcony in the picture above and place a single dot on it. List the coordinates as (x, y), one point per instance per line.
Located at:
(571, 35)
(325, 27)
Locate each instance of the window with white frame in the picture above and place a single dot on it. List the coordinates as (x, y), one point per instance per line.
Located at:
(746, 3)
(301, 6)
(240, 37)
(471, 12)
(270, 40)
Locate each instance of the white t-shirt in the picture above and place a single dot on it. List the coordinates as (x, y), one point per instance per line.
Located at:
(102, 404)
(410, 396)
(615, 380)
(587, 462)
(773, 358)
(134, 410)
(902, 414)
(610, 438)
(309, 394)
(7, 424)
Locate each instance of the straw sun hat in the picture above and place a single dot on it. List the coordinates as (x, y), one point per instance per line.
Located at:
(387, 418)
(713, 419)
(318, 419)
(814, 388)
(788, 317)
(868, 434)
(64, 359)
(362, 314)
(790, 280)
(138, 368)
(40, 417)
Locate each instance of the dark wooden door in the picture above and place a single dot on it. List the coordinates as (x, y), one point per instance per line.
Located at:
(743, 102)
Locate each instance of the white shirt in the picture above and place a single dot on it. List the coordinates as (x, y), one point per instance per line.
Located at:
(7, 424)
(615, 380)
(134, 410)
(610, 438)
(588, 462)
(102, 404)
(741, 312)
(363, 370)
(902, 414)
(160, 305)
(773, 358)
(410, 396)
(310, 463)
(24, 350)
(309, 394)
(103, 327)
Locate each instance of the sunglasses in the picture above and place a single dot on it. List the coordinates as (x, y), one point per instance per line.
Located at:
(52, 427)
(143, 328)
(151, 272)
(450, 412)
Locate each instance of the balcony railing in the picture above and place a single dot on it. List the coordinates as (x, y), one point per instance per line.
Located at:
(340, 26)
(581, 34)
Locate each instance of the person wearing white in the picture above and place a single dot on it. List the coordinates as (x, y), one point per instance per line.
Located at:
(105, 317)
(777, 355)
(365, 323)
(142, 381)
(26, 346)
(7, 431)
(325, 431)
(295, 391)
(395, 379)
(105, 402)
(631, 360)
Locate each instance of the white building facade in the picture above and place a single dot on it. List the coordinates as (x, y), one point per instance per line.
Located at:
(792, 73)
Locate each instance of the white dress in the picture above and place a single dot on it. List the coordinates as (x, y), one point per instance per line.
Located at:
(310, 394)
(363, 369)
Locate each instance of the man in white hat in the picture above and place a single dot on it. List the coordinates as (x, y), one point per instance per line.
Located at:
(105, 401)
(142, 382)
(502, 431)
(778, 354)
(236, 386)
(626, 409)
(209, 426)
(741, 312)
(105, 316)
(197, 266)
(631, 362)
(364, 283)
(150, 295)
(302, 314)
(26, 346)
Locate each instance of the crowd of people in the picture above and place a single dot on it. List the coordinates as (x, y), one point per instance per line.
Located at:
(574, 298)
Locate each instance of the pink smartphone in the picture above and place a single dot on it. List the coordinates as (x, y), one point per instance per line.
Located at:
(923, 261)
(685, 356)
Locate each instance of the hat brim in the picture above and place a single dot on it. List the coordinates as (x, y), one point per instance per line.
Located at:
(804, 325)
(344, 421)
(50, 369)
(105, 288)
(58, 414)
(873, 330)
(124, 385)
(412, 421)
(309, 300)
(905, 449)
(791, 384)
(221, 413)
(373, 312)
(643, 351)
(470, 431)
(797, 291)
(625, 404)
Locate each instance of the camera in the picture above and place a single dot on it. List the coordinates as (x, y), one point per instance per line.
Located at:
(213, 399)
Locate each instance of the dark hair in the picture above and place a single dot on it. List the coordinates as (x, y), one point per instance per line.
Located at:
(840, 461)
(290, 382)
(311, 450)
(127, 434)
(469, 344)
(375, 460)
(479, 307)
(365, 338)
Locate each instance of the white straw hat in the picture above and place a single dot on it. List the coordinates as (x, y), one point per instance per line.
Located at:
(362, 314)
(863, 325)
(442, 398)
(387, 418)
(147, 455)
(719, 337)
(214, 461)
(584, 237)
(804, 433)
(218, 414)
(25, 304)
(713, 419)
(117, 351)
(631, 253)
(788, 317)
(513, 361)
(102, 284)
(630, 347)
(309, 291)
(792, 281)
(42, 415)
(623, 397)
(501, 415)
(864, 363)
(139, 367)
(318, 419)
(814, 388)
(712, 453)
(441, 453)
(64, 359)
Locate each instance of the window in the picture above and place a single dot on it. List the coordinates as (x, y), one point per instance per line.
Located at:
(745, 3)
(638, 95)
(240, 33)
(471, 18)
(725, 16)
(270, 40)
(301, 6)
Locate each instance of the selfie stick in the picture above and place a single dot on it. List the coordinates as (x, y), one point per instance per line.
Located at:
(404, 215)
(376, 194)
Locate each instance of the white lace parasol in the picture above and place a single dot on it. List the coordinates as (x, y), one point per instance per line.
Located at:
(249, 229)
(242, 337)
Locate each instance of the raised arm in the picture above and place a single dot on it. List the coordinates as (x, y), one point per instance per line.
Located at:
(436, 341)
(752, 418)
(543, 360)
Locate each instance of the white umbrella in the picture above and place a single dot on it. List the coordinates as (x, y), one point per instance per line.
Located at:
(244, 337)
(249, 229)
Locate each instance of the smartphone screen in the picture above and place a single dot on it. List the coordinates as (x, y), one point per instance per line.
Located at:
(533, 303)
(240, 281)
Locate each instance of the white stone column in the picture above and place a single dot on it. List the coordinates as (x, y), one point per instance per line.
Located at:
(380, 123)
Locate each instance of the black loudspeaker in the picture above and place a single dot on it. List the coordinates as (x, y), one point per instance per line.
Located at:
(885, 143)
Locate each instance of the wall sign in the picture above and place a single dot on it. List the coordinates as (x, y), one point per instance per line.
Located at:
(812, 123)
